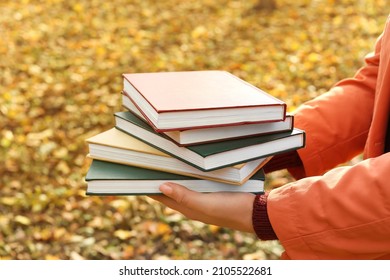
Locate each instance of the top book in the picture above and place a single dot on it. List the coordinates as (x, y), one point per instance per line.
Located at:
(195, 99)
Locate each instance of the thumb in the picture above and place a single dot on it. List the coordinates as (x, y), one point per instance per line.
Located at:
(181, 194)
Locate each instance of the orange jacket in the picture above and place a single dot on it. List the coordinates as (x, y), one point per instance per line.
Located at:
(343, 213)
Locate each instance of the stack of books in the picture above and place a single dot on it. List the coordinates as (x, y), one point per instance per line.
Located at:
(207, 130)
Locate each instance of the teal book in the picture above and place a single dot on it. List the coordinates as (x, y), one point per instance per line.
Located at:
(214, 155)
(107, 178)
(116, 146)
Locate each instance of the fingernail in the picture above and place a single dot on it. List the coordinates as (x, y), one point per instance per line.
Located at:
(165, 189)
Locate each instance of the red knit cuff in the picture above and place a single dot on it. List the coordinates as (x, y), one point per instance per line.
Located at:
(260, 220)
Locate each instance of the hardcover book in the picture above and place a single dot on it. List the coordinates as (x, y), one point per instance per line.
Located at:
(214, 134)
(114, 145)
(207, 157)
(106, 178)
(192, 99)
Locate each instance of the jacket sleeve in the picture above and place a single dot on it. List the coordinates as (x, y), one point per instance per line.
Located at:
(337, 122)
(343, 214)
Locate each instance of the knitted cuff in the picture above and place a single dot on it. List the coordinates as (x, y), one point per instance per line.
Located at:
(260, 220)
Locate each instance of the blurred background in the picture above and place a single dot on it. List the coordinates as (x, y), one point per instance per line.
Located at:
(60, 81)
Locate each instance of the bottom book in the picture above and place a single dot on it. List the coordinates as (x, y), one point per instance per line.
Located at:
(107, 178)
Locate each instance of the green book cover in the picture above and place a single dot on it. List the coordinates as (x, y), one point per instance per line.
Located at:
(107, 178)
(215, 155)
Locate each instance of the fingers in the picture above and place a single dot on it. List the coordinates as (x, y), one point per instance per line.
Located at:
(183, 196)
(166, 201)
(192, 214)
(233, 210)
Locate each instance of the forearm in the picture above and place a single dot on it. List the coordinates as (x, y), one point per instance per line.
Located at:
(337, 122)
(336, 125)
(342, 214)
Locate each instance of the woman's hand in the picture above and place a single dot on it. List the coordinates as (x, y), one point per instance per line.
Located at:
(226, 209)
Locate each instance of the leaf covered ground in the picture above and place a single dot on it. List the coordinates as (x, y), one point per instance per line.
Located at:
(60, 82)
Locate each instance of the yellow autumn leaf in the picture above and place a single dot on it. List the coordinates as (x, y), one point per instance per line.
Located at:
(78, 7)
(314, 57)
(124, 234)
(22, 220)
(51, 257)
(199, 31)
(8, 200)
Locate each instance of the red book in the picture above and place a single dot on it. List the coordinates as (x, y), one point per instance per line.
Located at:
(195, 99)
(197, 136)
